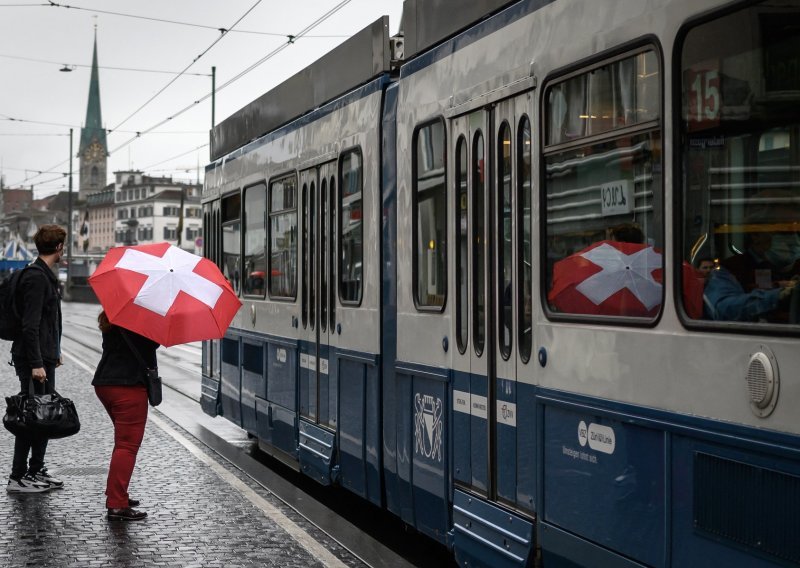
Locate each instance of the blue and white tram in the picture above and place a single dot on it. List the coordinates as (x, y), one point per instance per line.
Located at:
(530, 283)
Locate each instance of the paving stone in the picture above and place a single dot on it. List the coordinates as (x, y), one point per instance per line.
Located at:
(195, 518)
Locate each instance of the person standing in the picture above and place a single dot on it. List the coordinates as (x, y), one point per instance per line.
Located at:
(120, 384)
(37, 353)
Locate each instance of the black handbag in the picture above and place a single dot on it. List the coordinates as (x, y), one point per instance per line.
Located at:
(152, 380)
(41, 415)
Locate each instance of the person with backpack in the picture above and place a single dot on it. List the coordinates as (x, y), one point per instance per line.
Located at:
(36, 352)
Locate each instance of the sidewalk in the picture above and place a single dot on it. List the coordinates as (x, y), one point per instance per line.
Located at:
(202, 511)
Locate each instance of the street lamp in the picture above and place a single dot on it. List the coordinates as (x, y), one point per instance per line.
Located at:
(69, 222)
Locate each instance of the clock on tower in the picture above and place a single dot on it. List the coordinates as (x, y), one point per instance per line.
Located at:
(94, 151)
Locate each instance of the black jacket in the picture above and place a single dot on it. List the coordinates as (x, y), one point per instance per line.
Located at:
(118, 365)
(39, 303)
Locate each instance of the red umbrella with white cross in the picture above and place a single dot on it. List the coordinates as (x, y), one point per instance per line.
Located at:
(164, 293)
(609, 278)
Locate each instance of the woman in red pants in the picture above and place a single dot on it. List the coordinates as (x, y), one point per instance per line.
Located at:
(120, 385)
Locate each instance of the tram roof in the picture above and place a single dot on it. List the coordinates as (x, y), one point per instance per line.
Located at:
(354, 62)
(429, 22)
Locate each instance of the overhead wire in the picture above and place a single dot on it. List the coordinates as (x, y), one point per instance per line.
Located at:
(241, 74)
(138, 134)
(99, 66)
(13, 119)
(32, 134)
(206, 50)
(149, 168)
(175, 22)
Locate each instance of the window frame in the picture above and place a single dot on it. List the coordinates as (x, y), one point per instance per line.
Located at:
(414, 218)
(625, 51)
(222, 222)
(505, 350)
(339, 238)
(519, 190)
(678, 152)
(243, 221)
(270, 183)
(462, 326)
(478, 318)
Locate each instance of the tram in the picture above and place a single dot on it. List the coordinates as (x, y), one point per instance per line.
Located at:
(524, 275)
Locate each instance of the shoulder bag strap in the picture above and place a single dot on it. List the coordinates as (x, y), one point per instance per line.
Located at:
(133, 348)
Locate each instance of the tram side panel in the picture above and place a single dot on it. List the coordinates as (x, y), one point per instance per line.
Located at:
(355, 341)
(421, 371)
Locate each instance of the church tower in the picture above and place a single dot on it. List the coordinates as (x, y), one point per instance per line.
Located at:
(93, 149)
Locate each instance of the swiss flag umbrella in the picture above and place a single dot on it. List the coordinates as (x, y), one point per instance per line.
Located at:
(164, 293)
(609, 278)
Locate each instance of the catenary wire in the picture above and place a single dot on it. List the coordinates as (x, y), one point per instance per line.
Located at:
(241, 74)
(175, 22)
(206, 50)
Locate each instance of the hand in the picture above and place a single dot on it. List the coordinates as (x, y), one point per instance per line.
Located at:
(787, 288)
(38, 374)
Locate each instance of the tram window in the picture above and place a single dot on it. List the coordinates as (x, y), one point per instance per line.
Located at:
(430, 216)
(740, 151)
(312, 254)
(332, 255)
(231, 239)
(479, 243)
(603, 206)
(462, 246)
(524, 220)
(255, 240)
(323, 255)
(504, 256)
(351, 227)
(304, 301)
(283, 238)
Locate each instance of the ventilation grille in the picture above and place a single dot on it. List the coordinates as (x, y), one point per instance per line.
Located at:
(757, 381)
(751, 506)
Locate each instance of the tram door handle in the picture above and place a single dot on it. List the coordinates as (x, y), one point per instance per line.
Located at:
(269, 416)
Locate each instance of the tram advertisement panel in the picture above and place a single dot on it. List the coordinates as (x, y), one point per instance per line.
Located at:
(604, 480)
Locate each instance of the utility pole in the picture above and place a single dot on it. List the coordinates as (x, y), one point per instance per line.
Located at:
(180, 218)
(69, 221)
(213, 92)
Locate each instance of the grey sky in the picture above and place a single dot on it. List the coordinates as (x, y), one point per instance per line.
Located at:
(35, 91)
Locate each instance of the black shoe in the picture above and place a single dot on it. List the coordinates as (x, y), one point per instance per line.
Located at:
(133, 503)
(44, 476)
(126, 514)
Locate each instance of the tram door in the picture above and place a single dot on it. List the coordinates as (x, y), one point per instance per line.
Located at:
(486, 278)
(318, 309)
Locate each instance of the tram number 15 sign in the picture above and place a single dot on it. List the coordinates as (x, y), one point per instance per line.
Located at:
(703, 100)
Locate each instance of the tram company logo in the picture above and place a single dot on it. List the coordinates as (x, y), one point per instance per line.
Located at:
(428, 426)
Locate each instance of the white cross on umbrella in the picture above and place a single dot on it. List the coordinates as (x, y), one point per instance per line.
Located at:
(620, 271)
(167, 276)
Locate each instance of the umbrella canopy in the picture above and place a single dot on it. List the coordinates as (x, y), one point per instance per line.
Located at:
(609, 278)
(164, 293)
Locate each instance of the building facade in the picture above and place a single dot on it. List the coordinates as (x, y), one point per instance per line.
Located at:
(98, 226)
(157, 209)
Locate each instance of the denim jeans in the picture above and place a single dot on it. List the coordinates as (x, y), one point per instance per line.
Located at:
(24, 445)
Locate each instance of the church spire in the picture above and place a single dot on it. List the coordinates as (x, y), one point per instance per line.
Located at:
(93, 126)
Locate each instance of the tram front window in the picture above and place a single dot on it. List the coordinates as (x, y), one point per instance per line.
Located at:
(741, 164)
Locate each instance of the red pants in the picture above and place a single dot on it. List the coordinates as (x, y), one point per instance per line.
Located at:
(127, 407)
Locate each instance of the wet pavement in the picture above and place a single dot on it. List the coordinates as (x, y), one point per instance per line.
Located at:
(202, 510)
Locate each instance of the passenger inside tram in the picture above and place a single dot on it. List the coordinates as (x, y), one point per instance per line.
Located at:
(758, 283)
(704, 266)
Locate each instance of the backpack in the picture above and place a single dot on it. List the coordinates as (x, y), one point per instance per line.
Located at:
(10, 319)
